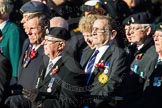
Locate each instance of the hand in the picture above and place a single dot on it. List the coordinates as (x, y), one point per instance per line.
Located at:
(30, 94)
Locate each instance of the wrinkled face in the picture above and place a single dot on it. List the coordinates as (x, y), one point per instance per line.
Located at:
(138, 33)
(127, 33)
(88, 39)
(51, 46)
(24, 19)
(158, 41)
(100, 35)
(34, 31)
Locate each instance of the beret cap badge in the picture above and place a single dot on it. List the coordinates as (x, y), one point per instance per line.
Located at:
(132, 19)
(160, 26)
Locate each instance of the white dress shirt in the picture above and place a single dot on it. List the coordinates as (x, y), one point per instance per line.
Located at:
(54, 62)
(101, 50)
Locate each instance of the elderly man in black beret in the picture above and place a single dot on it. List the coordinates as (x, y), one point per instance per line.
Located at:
(151, 97)
(60, 77)
(58, 85)
(144, 58)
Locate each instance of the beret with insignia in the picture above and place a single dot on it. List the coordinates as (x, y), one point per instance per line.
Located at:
(158, 26)
(127, 21)
(141, 18)
(59, 32)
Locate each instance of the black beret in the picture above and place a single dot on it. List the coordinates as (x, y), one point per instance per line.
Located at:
(141, 18)
(158, 26)
(127, 21)
(59, 32)
(34, 6)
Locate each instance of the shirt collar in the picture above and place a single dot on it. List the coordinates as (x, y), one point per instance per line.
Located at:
(55, 59)
(3, 24)
(139, 47)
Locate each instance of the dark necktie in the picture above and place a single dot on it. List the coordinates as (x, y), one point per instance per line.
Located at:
(49, 67)
(91, 63)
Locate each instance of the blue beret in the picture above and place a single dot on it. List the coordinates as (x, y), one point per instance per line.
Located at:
(140, 18)
(34, 6)
(59, 32)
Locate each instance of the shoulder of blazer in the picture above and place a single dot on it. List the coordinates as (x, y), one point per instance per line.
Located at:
(115, 48)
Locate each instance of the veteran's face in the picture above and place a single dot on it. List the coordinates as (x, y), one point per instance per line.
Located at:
(34, 31)
(138, 34)
(158, 41)
(51, 46)
(88, 39)
(100, 35)
(24, 20)
(25, 17)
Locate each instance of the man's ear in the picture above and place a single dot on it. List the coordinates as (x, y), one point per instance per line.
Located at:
(148, 30)
(61, 46)
(114, 33)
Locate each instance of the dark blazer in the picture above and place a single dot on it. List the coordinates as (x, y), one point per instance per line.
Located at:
(28, 76)
(11, 44)
(5, 76)
(65, 89)
(86, 54)
(117, 60)
(140, 70)
(151, 97)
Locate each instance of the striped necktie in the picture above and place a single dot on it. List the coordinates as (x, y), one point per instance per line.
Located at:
(91, 63)
(49, 67)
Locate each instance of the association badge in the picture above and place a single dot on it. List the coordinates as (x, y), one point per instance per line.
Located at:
(103, 78)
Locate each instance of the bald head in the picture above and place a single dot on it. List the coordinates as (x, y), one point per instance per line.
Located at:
(59, 22)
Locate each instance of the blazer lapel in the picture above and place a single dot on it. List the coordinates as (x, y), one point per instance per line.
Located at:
(26, 44)
(105, 58)
(48, 77)
(85, 57)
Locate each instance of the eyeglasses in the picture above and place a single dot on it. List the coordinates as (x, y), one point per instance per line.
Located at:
(157, 36)
(51, 41)
(136, 28)
(99, 30)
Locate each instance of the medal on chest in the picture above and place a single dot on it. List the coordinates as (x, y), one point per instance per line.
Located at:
(49, 89)
(103, 77)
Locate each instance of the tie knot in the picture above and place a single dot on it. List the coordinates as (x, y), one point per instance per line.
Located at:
(50, 64)
(96, 52)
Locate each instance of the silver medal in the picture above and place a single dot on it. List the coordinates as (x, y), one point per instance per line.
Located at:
(49, 90)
